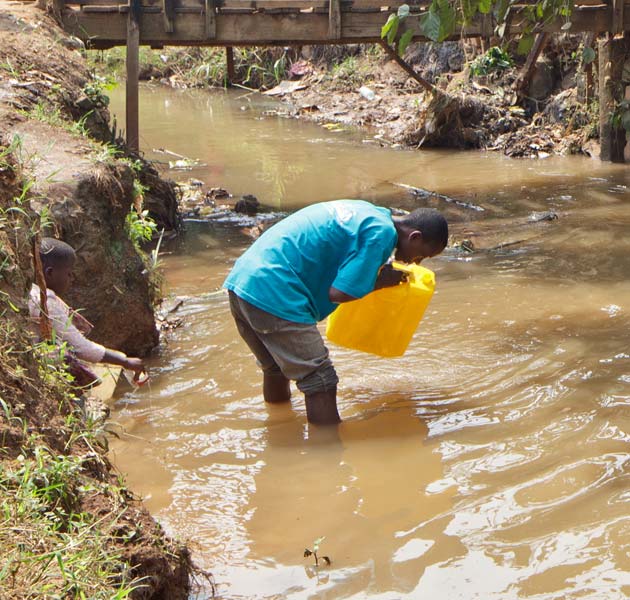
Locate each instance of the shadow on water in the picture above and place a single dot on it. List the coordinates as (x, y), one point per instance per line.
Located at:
(490, 462)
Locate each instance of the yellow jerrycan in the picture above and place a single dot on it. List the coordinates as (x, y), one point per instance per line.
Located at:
(384, 321)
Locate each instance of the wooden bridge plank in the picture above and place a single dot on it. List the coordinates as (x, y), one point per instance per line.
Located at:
(106, 30)
(210, 20)
(617, 16)
(168, 9)
(256, 4)
(97, 2)
(334, 20)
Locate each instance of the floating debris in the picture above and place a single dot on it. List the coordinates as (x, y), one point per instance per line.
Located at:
(182, 163)
(547, 215)
(185, 164)
(422, 193)
(334, 127)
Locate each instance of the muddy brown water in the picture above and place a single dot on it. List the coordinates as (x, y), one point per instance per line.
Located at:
(490, 462)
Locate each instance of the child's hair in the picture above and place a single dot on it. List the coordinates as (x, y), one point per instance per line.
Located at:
(430, 222)
(55, 252)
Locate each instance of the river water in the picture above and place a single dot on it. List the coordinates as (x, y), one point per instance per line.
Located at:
(490, 462)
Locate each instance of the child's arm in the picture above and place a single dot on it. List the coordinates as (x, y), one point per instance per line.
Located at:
(114, 357)
(64, 329)
(84, 349)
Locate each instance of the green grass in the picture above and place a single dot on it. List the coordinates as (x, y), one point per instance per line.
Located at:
(199, 67)
(48, 547)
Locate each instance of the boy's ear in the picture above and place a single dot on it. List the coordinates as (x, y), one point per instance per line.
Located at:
(415, 235)
(48, 271)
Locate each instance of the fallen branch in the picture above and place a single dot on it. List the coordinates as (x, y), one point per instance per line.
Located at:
(403, 65)
(422, 193)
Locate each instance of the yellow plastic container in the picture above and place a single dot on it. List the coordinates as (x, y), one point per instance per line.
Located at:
(384, 321)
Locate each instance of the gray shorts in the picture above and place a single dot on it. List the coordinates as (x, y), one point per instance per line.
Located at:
(295, 350)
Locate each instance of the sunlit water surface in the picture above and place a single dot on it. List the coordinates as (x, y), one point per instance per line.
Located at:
(490, 462)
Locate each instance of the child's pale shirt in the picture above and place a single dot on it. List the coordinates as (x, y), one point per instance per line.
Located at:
(290, 268)
(61, 320)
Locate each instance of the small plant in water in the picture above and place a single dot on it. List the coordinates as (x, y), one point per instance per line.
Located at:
(315, 550)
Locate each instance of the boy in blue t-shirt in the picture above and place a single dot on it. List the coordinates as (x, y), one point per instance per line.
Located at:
(297, 273)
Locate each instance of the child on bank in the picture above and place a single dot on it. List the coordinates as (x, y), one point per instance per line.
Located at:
(298, 271)
(58, 259)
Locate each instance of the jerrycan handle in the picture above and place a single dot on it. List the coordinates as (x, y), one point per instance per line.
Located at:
(417, 274)
(404, 267)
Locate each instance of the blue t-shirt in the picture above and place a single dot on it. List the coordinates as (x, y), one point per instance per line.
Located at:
(288, 270)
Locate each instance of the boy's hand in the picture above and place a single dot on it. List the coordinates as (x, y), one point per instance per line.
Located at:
(389, 277)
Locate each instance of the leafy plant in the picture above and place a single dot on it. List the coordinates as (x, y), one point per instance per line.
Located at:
(140, 227)
(620, 118)
(96, 87)
(315, 550)
(445, 17)
(495, 59)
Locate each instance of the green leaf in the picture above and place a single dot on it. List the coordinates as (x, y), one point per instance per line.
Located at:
(485, 6)
(500, 29)
(447, 19)
(525, 43)
(403, 11)
(430, 26)
(390, 22)
(588, 55)
(404, 41)
(391, 34)
(502, 9)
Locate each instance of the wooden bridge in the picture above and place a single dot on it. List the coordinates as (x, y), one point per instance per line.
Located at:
(106, 23)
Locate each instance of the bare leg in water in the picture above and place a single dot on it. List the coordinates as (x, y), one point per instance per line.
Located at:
(276, 388)
(321, 408)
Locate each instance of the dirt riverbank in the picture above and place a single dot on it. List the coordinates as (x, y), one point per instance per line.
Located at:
(73, 530)
(470, 111)
(360, 86)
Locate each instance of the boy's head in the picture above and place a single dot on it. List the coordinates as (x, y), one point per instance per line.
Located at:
(421, 234)
(58, 260)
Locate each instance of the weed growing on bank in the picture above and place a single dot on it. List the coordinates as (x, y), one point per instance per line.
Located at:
(199, 67)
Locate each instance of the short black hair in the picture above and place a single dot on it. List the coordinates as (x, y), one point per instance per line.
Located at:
(55, 253)
(430, 223)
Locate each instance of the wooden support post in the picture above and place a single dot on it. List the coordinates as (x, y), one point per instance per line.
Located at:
(587, 42)
(229, 59)
(57, 7)
(211, 20)
(168, 7)
(487, 28)
(133, 70)
(334, 19)
(612, 55)
(617, 16)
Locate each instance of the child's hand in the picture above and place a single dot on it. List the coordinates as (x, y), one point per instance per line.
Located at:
(136, 365)
(388, 277)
